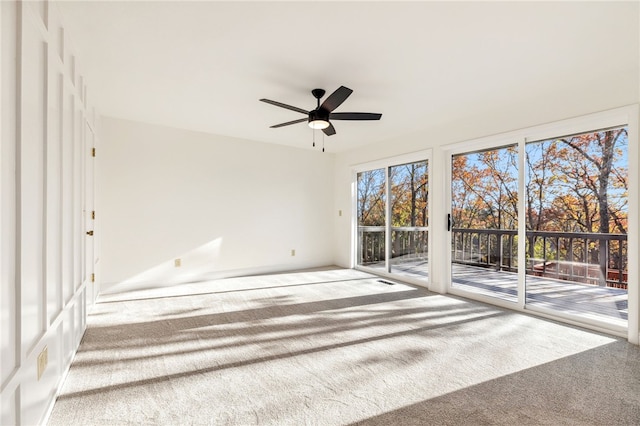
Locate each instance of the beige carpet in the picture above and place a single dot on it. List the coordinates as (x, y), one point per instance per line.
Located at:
(335, 347)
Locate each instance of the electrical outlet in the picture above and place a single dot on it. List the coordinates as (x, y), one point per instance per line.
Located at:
(293, 252)
(339, 212)
(177, 263)
(43, 360)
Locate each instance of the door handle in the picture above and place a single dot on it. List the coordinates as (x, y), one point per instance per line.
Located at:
(90, 233)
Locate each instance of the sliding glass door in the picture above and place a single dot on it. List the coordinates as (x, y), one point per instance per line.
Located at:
(543, 224)
(484, 222)
(577, 223)
(393, 219)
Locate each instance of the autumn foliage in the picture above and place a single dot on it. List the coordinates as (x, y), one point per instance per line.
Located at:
(574, 187)
(572, 184)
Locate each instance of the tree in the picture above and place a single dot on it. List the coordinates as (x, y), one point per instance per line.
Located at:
(484, 189)
(371, 198)
(597, 175)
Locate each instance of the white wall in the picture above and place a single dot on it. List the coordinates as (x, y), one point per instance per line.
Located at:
(43, 154)
(223, 206)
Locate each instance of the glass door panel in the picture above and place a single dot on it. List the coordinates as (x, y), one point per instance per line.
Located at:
(576, 221)
(371, 211)
(484, 213)
(409, 196)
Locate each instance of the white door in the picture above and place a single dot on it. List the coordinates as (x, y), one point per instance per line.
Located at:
(89, 215)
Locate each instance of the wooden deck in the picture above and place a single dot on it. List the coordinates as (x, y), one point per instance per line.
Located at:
(581, 300)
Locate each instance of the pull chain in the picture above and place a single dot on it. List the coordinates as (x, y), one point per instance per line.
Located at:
(314, 137)
(322, 141)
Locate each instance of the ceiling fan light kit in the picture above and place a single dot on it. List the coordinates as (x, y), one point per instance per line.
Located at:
(319, 118)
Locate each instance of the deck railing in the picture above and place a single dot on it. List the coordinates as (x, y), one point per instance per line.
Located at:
(408, 243)
(591, 258)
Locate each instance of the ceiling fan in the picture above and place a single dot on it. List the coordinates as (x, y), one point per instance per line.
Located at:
(319, 117)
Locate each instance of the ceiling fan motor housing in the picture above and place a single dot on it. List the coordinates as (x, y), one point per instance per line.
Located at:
(318, 114)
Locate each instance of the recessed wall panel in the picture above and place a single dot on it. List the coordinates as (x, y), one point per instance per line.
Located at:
(60, 43)
(40, 9)
(69, 63)
(31, 171)
(54, 195)
(8, 409)
(67, 193)
(78, 223)
(56, 33)
(79, 318)
(67, 331)
(8, 321)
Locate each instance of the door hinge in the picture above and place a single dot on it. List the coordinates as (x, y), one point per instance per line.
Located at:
(93, 152)
(93, 214)
(93, 278)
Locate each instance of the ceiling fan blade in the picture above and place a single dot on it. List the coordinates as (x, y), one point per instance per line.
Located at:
(354, 116)
(300, 120)
(281, 105)
(336, 98)
(329, 130)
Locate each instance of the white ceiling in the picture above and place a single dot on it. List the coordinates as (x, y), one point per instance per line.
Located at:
(204, 65)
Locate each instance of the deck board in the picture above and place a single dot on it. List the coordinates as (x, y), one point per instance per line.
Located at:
(583, 300)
